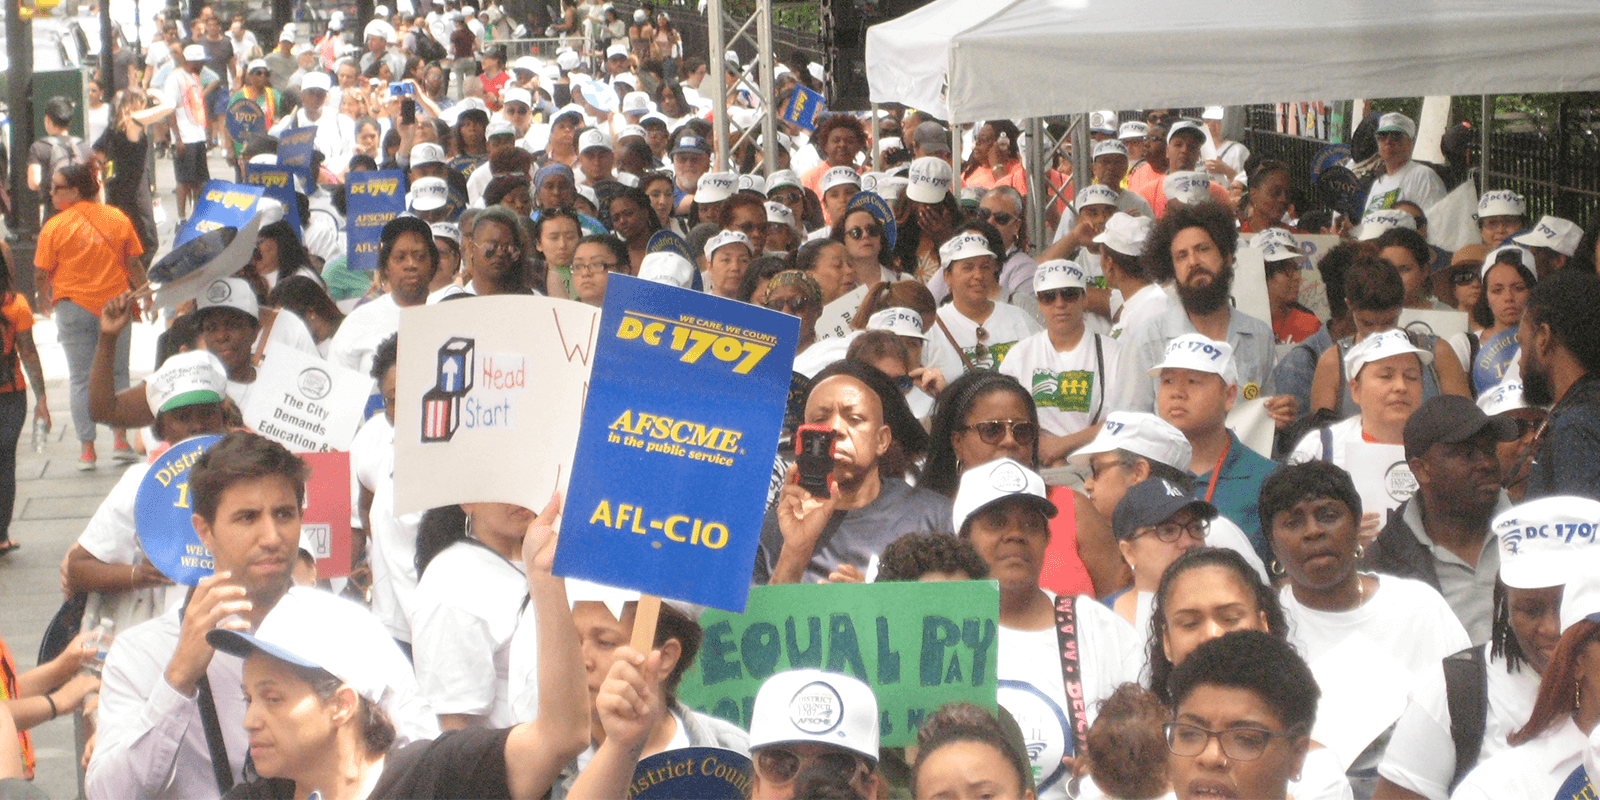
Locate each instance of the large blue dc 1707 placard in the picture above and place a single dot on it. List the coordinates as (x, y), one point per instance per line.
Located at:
(676, 447)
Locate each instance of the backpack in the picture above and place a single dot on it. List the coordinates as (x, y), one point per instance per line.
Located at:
(65, 150)
(1466, 681)
(428, 48)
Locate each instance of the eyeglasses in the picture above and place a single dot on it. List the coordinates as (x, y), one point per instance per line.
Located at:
(1096, 469)
(858, 232)
(509, 110)
(993, 431)
(786, 198)
(793, 304)
(1169, 532)
(1239, 744)
(1465, 276)
(593, 267)
(492, 249)
(1049, 297)
(778, 766)
(997, 217)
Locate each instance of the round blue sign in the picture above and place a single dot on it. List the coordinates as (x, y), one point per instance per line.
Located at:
(244, 117)
(163, 514)
(704, 773)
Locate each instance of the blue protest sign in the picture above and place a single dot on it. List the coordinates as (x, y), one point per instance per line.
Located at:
(803, 107)
(278, 183)
(703, 773)
(294, 151)
(668, 242)
(675, 450)
(162, 514)
(221, 205)
(243, 118)
(1331, 156)
(371, 200)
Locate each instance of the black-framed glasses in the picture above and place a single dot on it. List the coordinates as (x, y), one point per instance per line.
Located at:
(1465, 276)
(861, 232)
(1169, 532)
(997, 217)
(593, 267)
(1239, 744)
(993, 431)
(1049, 297)
(779, 766)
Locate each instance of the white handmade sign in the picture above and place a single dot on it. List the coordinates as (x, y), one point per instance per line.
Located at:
(304, 402)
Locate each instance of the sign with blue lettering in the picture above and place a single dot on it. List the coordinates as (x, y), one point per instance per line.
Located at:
(803, 107)
(277, 182)
(704, 773)
(243, 118)
(163, 514)
(371, 200)
(294, 151)
(221, 205)
(676, 447)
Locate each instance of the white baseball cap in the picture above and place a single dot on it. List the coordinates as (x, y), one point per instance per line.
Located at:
(587, 192)
(592, 139)
(630, 131)
(1201, 354)
(753, 183)
(1501, 203)
(1211, 112)
(194, 52)
(234, 293)
(929, 178)
(1375, 223)
(318, 630)
(526, 64)
(447, 230)
(499, 127)
(1378, 346)
(898, 321)
(428, 194)
(1542, 542)
(517, 94)
(1560, 235)
(617, 50)
(725, 238)
(1000, 479)
(888, 143)
(967, 244)
(1139, 433)
(315, 80)
(1189, 188)
(810, 705)
(1186, 125)
(1277, 244)
(1110, 147)
(1125, 233)
(569, 60)
(714, 187)
(426, 153)
(1133, 130)
(636, 103)
(1505, 396)
(781, 214)
(1096, 195)
(838, 176)
(186, 379)
(783, 177)
(1580, 597)
(378, 28)
(1059, 273)
(1395, 122)
(258, 63)
(1103, 122)
(668, 268)
(1507, 253)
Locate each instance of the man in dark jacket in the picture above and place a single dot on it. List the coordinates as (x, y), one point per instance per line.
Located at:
(1441, 535)
(1560, 342)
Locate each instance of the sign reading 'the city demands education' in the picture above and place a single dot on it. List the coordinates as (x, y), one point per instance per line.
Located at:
(918, 645)
(307, 404)
(676, 448)
(371, 200)
(163, 514)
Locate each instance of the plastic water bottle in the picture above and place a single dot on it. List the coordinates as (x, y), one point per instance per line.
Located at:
(100, 640)
(41, 434)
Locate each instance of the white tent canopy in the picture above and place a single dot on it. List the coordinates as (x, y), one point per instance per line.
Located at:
(968, 60)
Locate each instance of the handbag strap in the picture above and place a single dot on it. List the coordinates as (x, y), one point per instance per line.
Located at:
(1071, 670)
(965, 362)
(215, 744)
(1100, 375)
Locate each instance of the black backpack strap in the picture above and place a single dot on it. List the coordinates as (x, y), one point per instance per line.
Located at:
(1466, 686)
(1100, 375)
(1327, 443)
(214, 741)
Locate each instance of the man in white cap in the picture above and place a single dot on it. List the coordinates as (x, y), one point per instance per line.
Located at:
(596, 160)
(161, 675)
(256, 87)
(1132, 134)
(1501, 212)
(1554, 241)
(1402, 178)
(1184, 140)
(376, 38)
(1109, 170)
(281, 60)
(185, 92)
(1143, 300)
(1067, 369)
(313, 110)
(1224, 158)
(429, 198)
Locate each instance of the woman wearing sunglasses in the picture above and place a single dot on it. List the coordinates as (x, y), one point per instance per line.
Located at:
(797, 294)
(866, 245)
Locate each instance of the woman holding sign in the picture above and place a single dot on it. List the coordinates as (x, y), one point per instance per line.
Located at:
(1508, 278)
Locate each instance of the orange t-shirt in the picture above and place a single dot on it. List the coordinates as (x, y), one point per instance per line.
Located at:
(19, 318)
(8, 691)
(86, 250)
(984, 178)
(1155, 194)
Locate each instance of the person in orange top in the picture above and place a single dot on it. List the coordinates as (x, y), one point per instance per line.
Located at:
(995, 160)
(16, 347)
(88, 253)
(41, 694)
(839, 139)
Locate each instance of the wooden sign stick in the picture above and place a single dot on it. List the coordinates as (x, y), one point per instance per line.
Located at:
(644, 623)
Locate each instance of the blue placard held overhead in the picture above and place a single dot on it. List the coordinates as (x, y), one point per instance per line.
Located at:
(294, 151)
(243, 118)
(163, 514)
(803, 107)
(221, 205)
(371, 200)
(703, 773)
(679, 431)
(277, 182)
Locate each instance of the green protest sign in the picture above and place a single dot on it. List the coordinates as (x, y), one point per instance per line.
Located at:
(918, 645)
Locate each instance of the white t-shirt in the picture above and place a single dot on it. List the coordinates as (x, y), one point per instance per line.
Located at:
(392, 542)
(467, 607)
(289, 330)
(1031, 686)
(1421, 754)
(362, 331)
(1415, 182)
(1366, 660)
(1005, 326)
(1384, 482)
(1535, 770)
(1145, 307)
(1068, 386)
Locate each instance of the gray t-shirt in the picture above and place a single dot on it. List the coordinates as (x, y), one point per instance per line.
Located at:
(855, 536)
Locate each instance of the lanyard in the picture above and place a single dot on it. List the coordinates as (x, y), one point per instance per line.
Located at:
(1211, 488)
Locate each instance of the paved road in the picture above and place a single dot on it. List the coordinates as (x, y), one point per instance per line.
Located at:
(54, 501)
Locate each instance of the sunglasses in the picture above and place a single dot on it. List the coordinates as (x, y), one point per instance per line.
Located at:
(1465, 276)
(997, 217)
(1049, 297)
(779, 766)
(993, 431)
(858, 233)
(789, 305)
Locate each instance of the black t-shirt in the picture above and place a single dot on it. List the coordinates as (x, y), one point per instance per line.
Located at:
(219, 53)
(124, 168)
(462, 764)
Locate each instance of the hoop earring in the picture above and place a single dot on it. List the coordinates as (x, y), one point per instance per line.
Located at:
(1276, 569)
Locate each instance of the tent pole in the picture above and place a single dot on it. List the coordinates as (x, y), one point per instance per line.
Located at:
(955, 160)
(1037, 201)
(877, 152)
(769, 123)
(716, 72)
(1082, 155)
(1484, 124)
